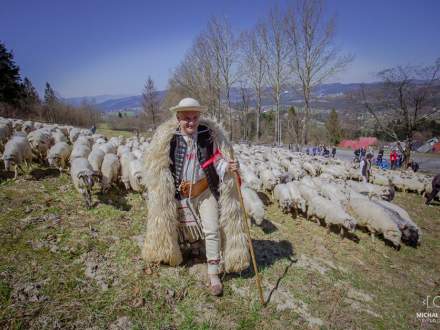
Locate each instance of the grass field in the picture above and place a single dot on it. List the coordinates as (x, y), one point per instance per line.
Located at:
(105, 130)
(63, 266)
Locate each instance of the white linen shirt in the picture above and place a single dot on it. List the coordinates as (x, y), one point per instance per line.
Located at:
(192, 169)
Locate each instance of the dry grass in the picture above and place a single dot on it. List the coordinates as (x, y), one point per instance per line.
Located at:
(62, 265)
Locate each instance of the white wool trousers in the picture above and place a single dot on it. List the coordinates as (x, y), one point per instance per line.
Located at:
(207, 207)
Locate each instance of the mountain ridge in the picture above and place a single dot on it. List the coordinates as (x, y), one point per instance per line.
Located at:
(114, 103)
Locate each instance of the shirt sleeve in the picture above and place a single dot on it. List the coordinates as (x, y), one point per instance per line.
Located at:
(220, 165)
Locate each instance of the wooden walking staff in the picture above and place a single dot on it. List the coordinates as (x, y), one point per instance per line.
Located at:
(248, 232)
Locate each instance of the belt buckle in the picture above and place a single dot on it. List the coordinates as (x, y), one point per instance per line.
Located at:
(184, 188)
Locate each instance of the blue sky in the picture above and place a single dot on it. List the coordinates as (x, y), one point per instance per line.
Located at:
(95, 47)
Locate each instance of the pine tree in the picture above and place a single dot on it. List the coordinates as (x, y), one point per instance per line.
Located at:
(50, 103)
(30, 101)
(150, 102)
(333, 128)
(49, 95)
(10, 82)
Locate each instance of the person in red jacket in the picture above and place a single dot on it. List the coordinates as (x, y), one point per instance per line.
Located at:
(393, 159)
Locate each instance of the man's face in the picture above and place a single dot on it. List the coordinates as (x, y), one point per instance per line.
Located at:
(188, 121)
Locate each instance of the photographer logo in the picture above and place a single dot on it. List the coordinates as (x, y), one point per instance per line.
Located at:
(432, 304)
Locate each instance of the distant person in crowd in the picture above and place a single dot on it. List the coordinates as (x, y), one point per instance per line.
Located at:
(363, 152)
(333, 152)
(357, 154)
(365, 167)
(435, 189)
(400, 159)
(325, 152)
(393, 159)
(379, 157)
(93, 129)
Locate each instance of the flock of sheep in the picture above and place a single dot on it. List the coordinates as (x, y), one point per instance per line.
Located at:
(329, 191)
(322, 189)
(92, 157)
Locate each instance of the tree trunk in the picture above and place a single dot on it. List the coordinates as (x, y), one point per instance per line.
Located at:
(407, 152)
(305, 131)
(258, 116)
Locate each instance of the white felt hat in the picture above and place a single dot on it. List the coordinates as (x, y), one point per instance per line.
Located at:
(188, 104)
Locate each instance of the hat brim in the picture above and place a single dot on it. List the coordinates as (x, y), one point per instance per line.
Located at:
(189, 108)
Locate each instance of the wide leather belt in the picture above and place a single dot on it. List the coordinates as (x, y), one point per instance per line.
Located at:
(197, 188)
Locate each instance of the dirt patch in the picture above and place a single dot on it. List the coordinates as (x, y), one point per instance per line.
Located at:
(122, 323)
(100, 269)
(29, 292)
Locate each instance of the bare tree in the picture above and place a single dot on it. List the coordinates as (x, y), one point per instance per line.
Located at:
(243, 107)
(277, 54)
(253, 66)
(403, 101)
(150, 102)
(224, 45)
(198, 76)
(314, 57)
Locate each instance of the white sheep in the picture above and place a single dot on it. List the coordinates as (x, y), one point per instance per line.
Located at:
(125, 160)
(371, 190)
(109, 170)
(137, 175)
(74, 134)
(282, 196)
(108, 148)
(411, 234)
(83, 177)
(40, 141)
(17, 150)
(122, 149)
(311, 169)
(253, 205)
(79, 151)
(5, 133)
(331, 213)
(137, 153)
(84, 140)
(28, 126)
(375, 218)
(58, 136)
(95, 159)
(58, 155)
(249, 178)
(295, 195)
(267, 178)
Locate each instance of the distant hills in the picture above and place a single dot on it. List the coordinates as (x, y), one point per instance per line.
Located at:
(325, 95)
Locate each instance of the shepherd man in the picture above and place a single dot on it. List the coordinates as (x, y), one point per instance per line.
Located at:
(191, 194)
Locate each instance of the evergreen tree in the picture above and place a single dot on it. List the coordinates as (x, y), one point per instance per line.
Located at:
(49, 95)
(50, 104)
(10, 85)
(333, 128)
(30, 100)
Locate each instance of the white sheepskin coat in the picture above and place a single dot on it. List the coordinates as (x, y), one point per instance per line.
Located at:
(161, 238)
